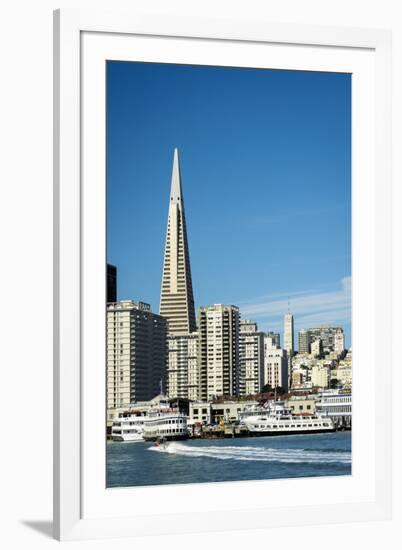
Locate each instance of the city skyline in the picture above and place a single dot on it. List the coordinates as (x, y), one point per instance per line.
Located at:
(320, 302)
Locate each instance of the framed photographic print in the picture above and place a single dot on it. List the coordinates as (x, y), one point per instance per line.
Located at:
(222, 228)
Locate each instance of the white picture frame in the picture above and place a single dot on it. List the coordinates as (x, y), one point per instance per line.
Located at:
(83, 507)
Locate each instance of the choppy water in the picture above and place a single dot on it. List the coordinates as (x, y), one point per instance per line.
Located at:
(197, 461)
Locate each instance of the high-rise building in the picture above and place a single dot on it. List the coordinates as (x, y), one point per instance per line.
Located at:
(136, 353)
(111, 283)
(275, 337)
(218, 327)
(276, 368)
(177, 301)
(304, 341)
(288, 336)
(339, 341)
(251, 358)
(183, 376)
(326, 334)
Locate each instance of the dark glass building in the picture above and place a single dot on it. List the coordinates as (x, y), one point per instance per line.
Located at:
(111, 283)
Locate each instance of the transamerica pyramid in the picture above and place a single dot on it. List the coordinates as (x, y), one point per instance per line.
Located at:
(177, 301)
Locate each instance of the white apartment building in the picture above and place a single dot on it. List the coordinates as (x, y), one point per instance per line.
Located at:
(251, 358)
(136, 353)
(183, 376)
(219, 350)
(320, 376)
(276, 368)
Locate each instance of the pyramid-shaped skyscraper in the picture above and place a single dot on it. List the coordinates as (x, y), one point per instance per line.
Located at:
(177, 301)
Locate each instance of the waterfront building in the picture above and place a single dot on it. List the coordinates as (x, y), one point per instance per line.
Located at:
(229, 411)
(337, 406)
(219, 350)
(251, 358)
(199, 413)
(288, 337)
(177, 301)
(111, 283)
(301, 404)
(136, 353)
(276, 368)
(304, 341)
(183, 377)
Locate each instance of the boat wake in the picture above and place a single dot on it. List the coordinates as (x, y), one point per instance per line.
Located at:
(257, 454)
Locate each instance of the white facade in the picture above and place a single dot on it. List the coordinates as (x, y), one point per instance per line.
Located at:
(177, 301)
(339, 341)
(251, 358)
(136, 353)
(316, 348)
(320, 376)
(199, 413)
(183, 377)
(288, 338)
(276, 368)
(334, 404)
(219, 350)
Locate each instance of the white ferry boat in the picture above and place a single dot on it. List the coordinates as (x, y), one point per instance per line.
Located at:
(129, 428)
(276, 419)
(167, 425)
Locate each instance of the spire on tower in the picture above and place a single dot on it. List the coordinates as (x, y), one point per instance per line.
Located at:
(175, 188)
(177, 301)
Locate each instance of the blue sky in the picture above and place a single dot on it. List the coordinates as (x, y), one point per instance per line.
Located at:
(265, 163)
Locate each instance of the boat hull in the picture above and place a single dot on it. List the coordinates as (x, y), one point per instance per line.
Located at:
(273, 433)
(127, 439)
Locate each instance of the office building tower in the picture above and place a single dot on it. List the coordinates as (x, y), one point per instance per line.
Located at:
(288, 337)
(176, 301)
(111, 283)
(304, 341)
(339, 341)
(326, 334)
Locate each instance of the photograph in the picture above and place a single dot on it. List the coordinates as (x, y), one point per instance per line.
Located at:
(228, 307)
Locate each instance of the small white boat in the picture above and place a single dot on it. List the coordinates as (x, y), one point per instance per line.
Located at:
(161, 443)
